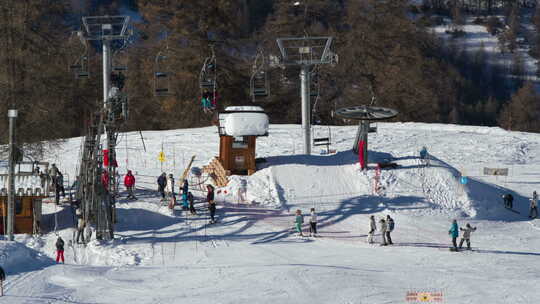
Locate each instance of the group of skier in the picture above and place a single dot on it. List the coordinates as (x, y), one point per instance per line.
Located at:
(508, 200)
(387, 226)
(454, 233)
(165, 185)
(299, 220)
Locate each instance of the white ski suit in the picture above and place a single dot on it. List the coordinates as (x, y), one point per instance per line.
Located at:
(169, 189)
(384, 228)
(372, 229)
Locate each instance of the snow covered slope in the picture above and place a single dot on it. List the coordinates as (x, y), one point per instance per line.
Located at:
(252, 255)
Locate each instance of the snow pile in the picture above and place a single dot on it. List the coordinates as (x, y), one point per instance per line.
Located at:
(23, 181)
(244, 124)
(15, 257)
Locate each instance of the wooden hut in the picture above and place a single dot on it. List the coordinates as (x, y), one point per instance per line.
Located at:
(239, 128)
(30, 191)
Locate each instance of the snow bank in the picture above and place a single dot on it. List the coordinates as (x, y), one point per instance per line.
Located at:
(244, 124)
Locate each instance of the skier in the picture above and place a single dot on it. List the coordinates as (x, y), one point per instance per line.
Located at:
(57, 192)
(59, 250)
(205, 101)
(162, 183)
(384, 229)
(211, 202)
(191, 203)
(185, 203)
(508, 200)
(60, 183)
(129, 182)
(313, 223)
(423, 156)
(242, 190)
(466, 236)
(390, 222)
(534, 206)
(454, 232)
(80, 228)
(372, 229)
(298, 221)
(53, 172)
(169, 190)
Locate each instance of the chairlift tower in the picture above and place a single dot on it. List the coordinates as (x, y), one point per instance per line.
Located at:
(306, 52)
(98, 203)
(365, 115)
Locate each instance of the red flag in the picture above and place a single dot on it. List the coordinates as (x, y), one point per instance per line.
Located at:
(361, 156)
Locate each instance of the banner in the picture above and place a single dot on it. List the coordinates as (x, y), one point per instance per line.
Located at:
(496, 171)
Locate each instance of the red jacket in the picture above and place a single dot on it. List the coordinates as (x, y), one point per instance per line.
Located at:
(129, 180)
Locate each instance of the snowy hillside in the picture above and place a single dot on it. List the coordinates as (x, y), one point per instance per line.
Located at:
(252, 254)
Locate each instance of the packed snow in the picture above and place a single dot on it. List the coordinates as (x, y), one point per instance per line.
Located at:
(252, 254)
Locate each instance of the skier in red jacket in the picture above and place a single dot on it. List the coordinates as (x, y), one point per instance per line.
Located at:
(129, 182)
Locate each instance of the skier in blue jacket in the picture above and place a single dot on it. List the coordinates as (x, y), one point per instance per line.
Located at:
(454, 232)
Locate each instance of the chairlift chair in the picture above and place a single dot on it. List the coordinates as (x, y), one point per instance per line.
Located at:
(259, 83)
(161, 76)
(207, 77)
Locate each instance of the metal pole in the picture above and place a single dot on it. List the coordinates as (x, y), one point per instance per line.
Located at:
(12, 115)
(106, 76)
(306, 113)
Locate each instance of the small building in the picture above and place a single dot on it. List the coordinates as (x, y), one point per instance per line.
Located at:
(239, 128)
(30, 190)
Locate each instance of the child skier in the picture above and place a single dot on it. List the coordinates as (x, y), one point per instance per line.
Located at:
(129, 182)
(191, 204)
(59, 250)
(384, 229)
(454, 232)
(508, 200)
(390, 222)
(169, 190)
(185, 203)
(313, 223)
(466, 236)
(211, 203)
(298, 221)
(372, 229)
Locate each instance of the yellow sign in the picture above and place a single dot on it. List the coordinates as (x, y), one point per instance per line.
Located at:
(161, 156)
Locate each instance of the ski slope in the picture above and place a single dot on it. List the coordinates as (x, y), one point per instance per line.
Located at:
(252, 255)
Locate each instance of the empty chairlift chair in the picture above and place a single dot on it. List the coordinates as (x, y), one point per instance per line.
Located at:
(161, 76)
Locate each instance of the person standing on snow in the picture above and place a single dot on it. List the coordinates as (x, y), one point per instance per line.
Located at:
(424, 156)
(466, 236)
(162, 183)
(59, 250)
(372, 229)
(191, 203)
(298, 221)
(211, 203)
(534, 206)
(390, 222)
(454, 232)
(313, 223)
(185, 188)
(384, 229)
(53, 172)
(129, 182)
(508, 200)
(169, 190)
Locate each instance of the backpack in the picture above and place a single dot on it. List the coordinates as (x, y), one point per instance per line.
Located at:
(391, 224)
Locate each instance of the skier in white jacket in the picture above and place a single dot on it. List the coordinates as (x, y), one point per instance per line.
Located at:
(169, 189)
(313, 223)
(466, 236)
(384, 229)
(372, 229)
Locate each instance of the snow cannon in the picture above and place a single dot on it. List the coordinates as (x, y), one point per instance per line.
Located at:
(239, 127)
